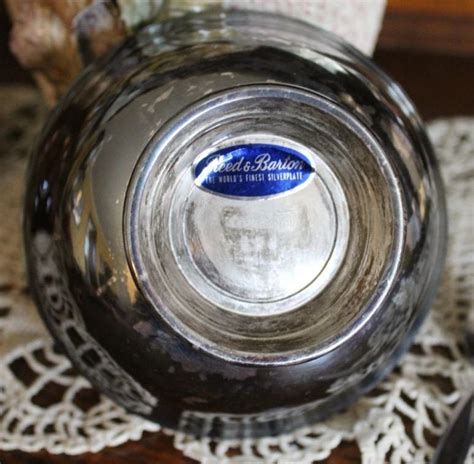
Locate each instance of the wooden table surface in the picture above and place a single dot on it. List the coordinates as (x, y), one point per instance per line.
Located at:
(440, 85)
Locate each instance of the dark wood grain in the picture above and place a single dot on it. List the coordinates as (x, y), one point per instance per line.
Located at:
(156, 448)
(152, 449)
(440, 26)
(423, 32)
(439, 84)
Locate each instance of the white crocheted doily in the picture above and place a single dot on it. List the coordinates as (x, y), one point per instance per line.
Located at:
(398, 422)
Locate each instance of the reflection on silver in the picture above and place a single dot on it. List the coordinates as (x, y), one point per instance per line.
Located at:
(258, 314)
(65, 320)
(259, 254)
(215, 240)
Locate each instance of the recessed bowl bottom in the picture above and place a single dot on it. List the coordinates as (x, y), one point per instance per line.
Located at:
(260, 256)
(262, 224)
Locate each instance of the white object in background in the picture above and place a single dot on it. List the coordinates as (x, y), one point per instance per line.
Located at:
(357, 21)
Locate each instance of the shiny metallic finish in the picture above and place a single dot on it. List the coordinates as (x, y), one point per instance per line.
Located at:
(247, 265)
(455, 442)
(469, 336)
(246, 308)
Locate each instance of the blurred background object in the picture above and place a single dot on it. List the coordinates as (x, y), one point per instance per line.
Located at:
(420, 41)
(439, 26)
(55, 40)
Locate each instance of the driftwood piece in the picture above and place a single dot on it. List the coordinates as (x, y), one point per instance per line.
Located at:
(54, 39)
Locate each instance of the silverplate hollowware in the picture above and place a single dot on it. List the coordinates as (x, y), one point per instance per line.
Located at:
(459, 434)
(234, 224)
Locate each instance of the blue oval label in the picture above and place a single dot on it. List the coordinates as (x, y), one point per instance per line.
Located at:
(252, 170)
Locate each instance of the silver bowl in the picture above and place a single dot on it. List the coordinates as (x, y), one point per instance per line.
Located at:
(234, 224)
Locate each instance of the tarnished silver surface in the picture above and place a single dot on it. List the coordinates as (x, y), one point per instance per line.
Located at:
(226, 315)
(454, 444)
(224, 271)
